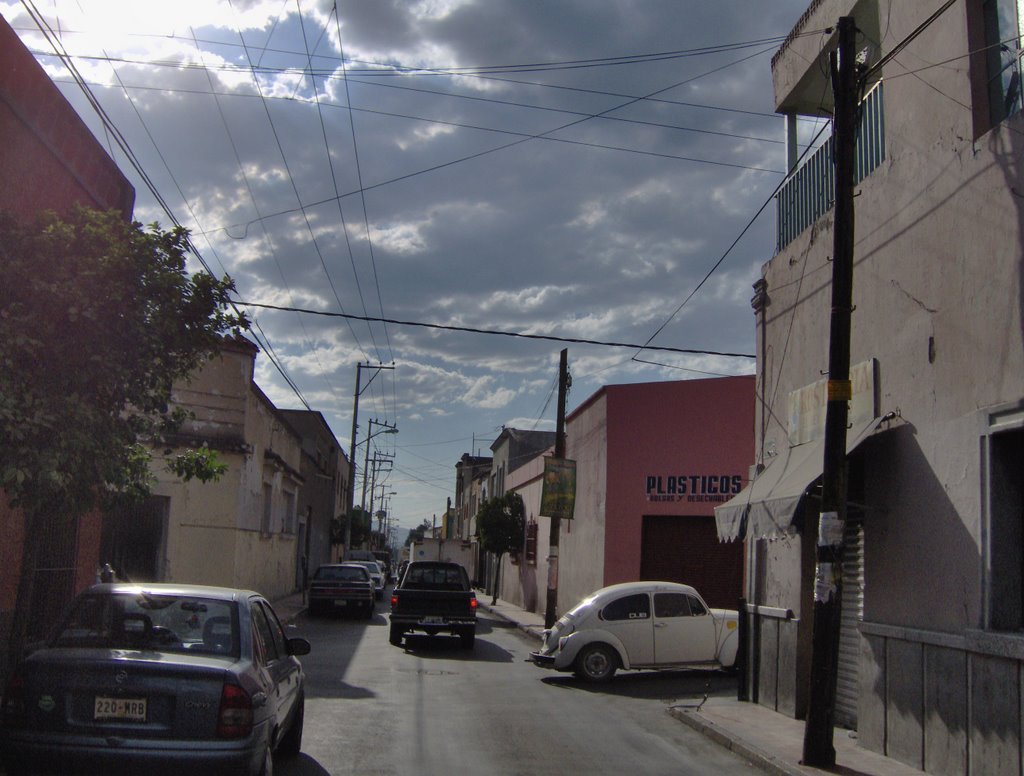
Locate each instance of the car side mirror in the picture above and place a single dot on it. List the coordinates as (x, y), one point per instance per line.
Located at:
(298, 646)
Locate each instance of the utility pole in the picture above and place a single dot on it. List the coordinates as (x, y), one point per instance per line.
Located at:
(819, 751)
(556, 522)
(352, 446)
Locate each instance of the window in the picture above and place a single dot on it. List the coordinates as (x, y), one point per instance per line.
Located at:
(630, 607)
(994, 30)
(268, 509)
(276, 631)
(671, 605)
(267, 644)
(531, 542)
(288, 525)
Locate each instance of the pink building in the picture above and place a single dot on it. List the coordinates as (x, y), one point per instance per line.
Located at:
(652, 462)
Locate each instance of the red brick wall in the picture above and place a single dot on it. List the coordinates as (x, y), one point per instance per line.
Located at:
(49, 159)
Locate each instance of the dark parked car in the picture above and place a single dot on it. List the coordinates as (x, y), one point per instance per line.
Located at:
(342, 587)
(153, 678)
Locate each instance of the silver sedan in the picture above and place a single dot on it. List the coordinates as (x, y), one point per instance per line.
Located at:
(146, 678)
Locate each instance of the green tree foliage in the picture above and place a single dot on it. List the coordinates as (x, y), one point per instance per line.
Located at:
(360, 534)
(98, 318)
(501, 523)
(416, 534)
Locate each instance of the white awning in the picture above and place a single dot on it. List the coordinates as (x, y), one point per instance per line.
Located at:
(765, 508)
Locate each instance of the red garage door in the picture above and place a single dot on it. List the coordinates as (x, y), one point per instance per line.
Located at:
(686, 549)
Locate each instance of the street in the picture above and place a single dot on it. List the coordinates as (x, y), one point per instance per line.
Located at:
(434, 708)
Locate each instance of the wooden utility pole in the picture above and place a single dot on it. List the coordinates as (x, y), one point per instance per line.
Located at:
(352, 447)
(556, 522)
(819, 751)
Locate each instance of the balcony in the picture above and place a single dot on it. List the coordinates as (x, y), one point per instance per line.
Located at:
(809, 192)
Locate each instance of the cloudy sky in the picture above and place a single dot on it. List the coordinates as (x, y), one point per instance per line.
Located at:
(567, 168)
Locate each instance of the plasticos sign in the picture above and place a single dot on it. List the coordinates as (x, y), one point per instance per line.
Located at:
(693, 487)
(558, 496)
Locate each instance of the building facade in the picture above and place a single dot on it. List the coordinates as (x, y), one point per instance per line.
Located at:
(933, 589)
(241, 531)
(323, 495)
(652, 461)
(49, 160)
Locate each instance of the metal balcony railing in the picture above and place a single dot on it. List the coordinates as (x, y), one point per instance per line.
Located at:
(810, 191)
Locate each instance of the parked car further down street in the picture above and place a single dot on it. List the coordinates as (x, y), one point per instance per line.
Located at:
(377, 574)
(342, 586)
(640, 625)
(157, 678)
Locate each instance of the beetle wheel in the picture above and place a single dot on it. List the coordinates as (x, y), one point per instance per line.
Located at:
(597, 663)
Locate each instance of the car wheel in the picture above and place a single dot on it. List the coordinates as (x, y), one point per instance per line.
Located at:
(291, 744)
(467, 639)
(395, 636)
(369, 611)
(596, 663)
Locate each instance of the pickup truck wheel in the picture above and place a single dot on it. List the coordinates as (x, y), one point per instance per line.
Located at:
(395, 636)
(467, 639)
(596, 663)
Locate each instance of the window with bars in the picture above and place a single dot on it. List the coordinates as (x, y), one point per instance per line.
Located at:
(530, 553)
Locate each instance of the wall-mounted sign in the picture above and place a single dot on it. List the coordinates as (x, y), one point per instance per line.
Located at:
(693, 488)
(558, 495)
(807, 404)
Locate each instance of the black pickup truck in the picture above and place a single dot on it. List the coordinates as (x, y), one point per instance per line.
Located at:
(434, 597)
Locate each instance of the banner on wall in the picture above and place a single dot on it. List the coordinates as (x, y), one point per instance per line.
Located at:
(558, 495)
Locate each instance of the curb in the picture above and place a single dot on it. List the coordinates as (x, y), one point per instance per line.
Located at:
(759, 758)
(527, 629)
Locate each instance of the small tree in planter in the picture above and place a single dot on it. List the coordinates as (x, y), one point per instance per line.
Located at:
(501, 523)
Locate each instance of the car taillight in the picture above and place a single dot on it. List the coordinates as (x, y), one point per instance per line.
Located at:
(394, 601)
(234, 720)
(472, 602)
(14, 700)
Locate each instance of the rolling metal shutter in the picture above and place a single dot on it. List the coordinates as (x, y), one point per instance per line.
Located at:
(848, 669)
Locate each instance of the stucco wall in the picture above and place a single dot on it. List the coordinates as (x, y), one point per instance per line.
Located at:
(937, 296)
(693, 437)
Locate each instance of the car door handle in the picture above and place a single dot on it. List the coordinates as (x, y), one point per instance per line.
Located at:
(659, 625)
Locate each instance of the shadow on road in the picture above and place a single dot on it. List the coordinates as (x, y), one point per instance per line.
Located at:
(667, 686)
(303, 765)
(330, 687)
(450, 648)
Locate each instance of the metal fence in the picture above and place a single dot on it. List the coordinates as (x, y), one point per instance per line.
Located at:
(810, 191)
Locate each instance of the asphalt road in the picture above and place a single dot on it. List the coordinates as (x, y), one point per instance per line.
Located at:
(435, 708)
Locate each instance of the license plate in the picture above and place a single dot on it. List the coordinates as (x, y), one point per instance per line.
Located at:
(433, 620)
(340, 602)
(119, 709)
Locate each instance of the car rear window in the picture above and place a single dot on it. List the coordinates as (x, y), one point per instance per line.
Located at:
(434, 578)
(162, 623)
(342, 573)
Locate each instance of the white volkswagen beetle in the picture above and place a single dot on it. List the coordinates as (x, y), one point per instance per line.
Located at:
(639, 625)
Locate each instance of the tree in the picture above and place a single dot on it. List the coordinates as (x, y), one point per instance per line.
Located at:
(98, 318)
(416, 534)
(360, 533)
(501, 523)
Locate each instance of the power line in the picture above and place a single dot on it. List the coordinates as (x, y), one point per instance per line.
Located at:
(498, 332)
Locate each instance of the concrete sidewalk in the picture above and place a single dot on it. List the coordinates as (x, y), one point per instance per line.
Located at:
(771, 741)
